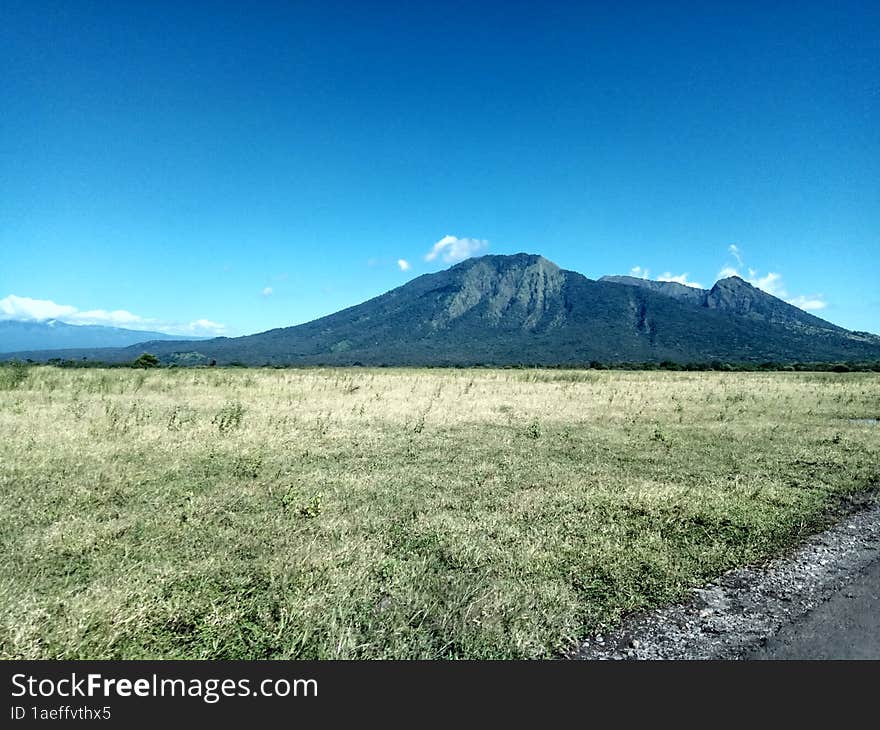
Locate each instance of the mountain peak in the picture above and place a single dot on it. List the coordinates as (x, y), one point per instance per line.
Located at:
(735, 290)
(506, 261)
(734, 282)
(735, 294)
(519, 287)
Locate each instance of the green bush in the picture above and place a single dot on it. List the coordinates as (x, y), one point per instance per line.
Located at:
(12, 375)
(147, 360)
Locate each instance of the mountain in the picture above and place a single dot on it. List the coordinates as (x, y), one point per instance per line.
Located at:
(736, 296)
(524, 309)
(16, 335)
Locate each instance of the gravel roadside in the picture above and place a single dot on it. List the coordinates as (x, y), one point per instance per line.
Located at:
(819, 601)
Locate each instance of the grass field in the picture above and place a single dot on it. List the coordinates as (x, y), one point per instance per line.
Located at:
(224, 513)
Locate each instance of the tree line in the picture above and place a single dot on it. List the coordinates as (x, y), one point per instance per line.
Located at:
(148, 360)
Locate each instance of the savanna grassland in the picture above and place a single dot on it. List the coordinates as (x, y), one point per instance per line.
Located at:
(357, 513)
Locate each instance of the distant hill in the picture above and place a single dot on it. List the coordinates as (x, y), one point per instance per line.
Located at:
(52, 335)
(523, 309)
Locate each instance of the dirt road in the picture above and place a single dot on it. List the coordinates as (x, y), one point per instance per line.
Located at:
(846, 626)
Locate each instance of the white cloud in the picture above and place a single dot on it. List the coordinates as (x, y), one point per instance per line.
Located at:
(679, 279)
(25, 308)
(13, 307)
(403, 264)
(206, 327)
(452, 249)
(41, 310)
(641, 273)
(116, 318)
(267, 292)
(770, 283)
(809, 304)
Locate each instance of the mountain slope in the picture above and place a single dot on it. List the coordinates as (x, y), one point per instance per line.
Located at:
(525, 309)
(17, 335)
(688, 294)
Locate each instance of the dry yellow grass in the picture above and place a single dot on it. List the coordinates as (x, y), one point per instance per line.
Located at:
(398, 513)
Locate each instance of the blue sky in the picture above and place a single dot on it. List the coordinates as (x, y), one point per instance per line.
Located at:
(220, 167)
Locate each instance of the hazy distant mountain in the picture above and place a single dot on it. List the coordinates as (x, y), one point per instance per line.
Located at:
(16, 335)
(525, 309)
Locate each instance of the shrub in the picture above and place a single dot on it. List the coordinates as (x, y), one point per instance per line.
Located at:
(12, 375)
(147, 360)
(534, 429)
(229, 417)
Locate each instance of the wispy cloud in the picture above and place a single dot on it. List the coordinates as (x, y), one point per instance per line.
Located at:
(642, 273)
(810, 304)
(268, 291)
(202, 327)
(771, 282)
(680, 279)
(734, 251)
(403, 265)
(452, 249)
(41, 310)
